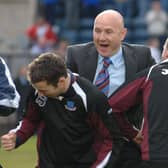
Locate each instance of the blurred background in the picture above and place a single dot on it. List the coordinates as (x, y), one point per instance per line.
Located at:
(24, 23)
(30, 27)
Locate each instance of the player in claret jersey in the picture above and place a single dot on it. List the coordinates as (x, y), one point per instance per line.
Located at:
(150, 87)
(75, 115)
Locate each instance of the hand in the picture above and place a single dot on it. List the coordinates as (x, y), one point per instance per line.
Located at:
(8, 141)
(139, 138)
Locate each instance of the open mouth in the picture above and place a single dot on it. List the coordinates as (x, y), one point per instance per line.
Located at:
(104, 45)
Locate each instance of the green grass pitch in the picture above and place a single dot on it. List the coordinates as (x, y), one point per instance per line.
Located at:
(23, 157)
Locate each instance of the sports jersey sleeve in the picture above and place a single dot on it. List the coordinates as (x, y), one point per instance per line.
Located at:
(29, 124)
(125, 98)
(98, 118)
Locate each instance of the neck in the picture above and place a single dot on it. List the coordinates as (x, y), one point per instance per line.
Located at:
(67, 82)
(116, 51)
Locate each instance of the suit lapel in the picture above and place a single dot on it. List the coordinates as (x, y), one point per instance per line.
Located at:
(92, 58)
(130, 62)
(91, 62)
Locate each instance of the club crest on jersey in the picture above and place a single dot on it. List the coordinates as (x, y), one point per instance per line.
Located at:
(164, 72)
(41, 100)
(70, 105)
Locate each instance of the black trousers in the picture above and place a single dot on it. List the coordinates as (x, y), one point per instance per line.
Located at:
(124, 154)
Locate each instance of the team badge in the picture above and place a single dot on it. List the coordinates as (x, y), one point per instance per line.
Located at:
(41, 100)
(70, 105)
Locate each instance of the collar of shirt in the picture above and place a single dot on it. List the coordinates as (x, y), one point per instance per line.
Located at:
(70, 92)
(116, 70)
(116, 59)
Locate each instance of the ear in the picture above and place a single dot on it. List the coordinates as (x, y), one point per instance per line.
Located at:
(124, 33)
(61, 81)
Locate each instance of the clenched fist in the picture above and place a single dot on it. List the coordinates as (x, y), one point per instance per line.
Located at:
(8, 141)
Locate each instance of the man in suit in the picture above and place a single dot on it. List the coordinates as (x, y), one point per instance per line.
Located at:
(73, 111)
(127, 59)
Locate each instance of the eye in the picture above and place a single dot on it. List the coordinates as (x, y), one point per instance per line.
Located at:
(109, 31)
(97, 30)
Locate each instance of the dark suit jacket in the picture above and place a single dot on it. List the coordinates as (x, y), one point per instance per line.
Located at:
(82, 59)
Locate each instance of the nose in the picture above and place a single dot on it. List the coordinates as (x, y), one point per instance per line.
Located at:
(102, 36)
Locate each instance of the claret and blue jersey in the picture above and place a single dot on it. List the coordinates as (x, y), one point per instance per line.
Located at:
(150, 87)
(75, 131)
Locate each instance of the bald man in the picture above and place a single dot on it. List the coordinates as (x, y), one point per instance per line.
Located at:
(86, 59)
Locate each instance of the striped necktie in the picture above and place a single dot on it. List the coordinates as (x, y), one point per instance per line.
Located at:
(102, 80)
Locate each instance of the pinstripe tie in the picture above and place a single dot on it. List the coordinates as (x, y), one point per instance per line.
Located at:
(102, 80)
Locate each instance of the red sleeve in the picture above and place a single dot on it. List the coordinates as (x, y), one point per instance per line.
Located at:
(121, 101)
(103, 139)
(125, 126)
(28, 125)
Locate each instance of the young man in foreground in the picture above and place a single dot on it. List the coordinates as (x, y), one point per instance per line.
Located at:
(74, 113)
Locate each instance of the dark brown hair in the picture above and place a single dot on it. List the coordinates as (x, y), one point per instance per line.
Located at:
(47, 67)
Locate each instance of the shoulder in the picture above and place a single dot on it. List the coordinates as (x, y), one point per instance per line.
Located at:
(2, 65)
(139, 52)
(4, 70)
(94, 99)
(92, 92)
(1, 59)
(136, 47)
(2, 62)
(82, 46)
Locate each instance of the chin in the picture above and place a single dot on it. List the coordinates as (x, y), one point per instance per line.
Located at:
(102, 53)
(105, 55)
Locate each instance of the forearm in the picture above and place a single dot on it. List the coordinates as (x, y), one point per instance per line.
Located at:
(24, 131)
(28, 125)
(126, 128)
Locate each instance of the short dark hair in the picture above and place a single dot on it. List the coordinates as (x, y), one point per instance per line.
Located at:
(47, 67)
